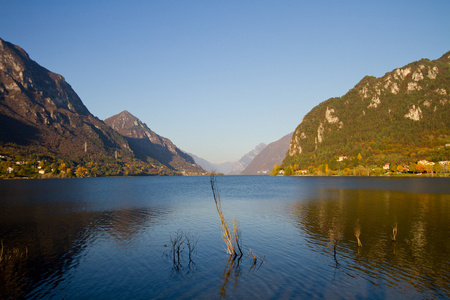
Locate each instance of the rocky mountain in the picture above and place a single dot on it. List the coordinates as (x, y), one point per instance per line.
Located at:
(220, 167)
(45, 129)
(399, 118)
(245, 160)
(40, 112)
(273, 154)
(146, 144)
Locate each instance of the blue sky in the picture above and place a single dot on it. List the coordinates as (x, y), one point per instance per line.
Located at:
(219, 77)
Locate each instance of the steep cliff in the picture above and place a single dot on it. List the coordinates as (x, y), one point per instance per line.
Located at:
(40, 110)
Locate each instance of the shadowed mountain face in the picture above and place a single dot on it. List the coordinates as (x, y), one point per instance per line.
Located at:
(145, 143)
(273, 154)
(40, 110)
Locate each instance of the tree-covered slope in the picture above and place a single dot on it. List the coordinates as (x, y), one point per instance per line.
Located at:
(399, 118)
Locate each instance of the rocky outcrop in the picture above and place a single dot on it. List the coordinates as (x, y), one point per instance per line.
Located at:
(379, 114)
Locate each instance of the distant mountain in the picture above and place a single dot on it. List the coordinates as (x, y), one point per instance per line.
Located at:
(273, 154)
(146, 144)
(41, 113)
(206, 165)
(241, 164)
(397, 119)
(213, 167)
(223, 167)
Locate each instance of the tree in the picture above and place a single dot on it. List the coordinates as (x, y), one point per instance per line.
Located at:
(81, 171)
(400, 168)
(275, 170)
(438, 168)
(429, 168)
(420, 168)
(288, 171)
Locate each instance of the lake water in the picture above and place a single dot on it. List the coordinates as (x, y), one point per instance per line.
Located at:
(106, 238)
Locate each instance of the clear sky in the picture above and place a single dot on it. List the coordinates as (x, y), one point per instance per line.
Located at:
(219, 77)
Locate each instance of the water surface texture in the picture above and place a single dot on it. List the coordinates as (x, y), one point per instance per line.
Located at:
(110, 238)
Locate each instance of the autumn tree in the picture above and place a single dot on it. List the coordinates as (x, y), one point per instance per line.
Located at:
(81, 171)
(420, 168)
(275, 170)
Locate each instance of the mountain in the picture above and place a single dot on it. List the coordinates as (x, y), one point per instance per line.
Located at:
(241, 164)
(273, 154)
(146, 144)
(220, 167)
(40, 112)
(45, 129)
(397, 119)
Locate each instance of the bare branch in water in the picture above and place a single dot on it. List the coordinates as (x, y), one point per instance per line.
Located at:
(358, 233)
(226, 233)
(394, 232)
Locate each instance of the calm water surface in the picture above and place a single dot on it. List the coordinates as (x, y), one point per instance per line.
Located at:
(106, 238)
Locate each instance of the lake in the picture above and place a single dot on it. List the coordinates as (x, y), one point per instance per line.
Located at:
(110, 238)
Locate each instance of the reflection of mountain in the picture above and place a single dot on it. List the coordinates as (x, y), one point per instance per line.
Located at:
(421, 246)
(40, 243)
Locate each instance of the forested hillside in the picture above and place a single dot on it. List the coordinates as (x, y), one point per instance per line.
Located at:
(395, 122)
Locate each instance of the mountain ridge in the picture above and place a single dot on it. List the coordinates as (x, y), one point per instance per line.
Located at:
(271, 155)
(46, 105)
(246, 159)
(44, 122)
(147, 144)
(399, 118)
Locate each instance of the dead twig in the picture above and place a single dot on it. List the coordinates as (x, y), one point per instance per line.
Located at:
(394, 232)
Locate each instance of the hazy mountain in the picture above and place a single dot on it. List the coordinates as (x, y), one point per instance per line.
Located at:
(220, 167)
(273, 154)
(146, 144)
(399, 118)
(41, 113)
(241, 164)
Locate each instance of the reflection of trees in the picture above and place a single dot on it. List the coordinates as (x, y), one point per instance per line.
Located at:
(233, 270)
(421, 247)
(40, 243)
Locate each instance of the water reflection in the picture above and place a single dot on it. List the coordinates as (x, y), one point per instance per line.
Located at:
(387, 237)
(41, 245)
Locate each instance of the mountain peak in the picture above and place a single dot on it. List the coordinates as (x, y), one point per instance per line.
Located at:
(245, 160)
(127, 124)
(23, 77)
(42, 112)
(146, 143)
